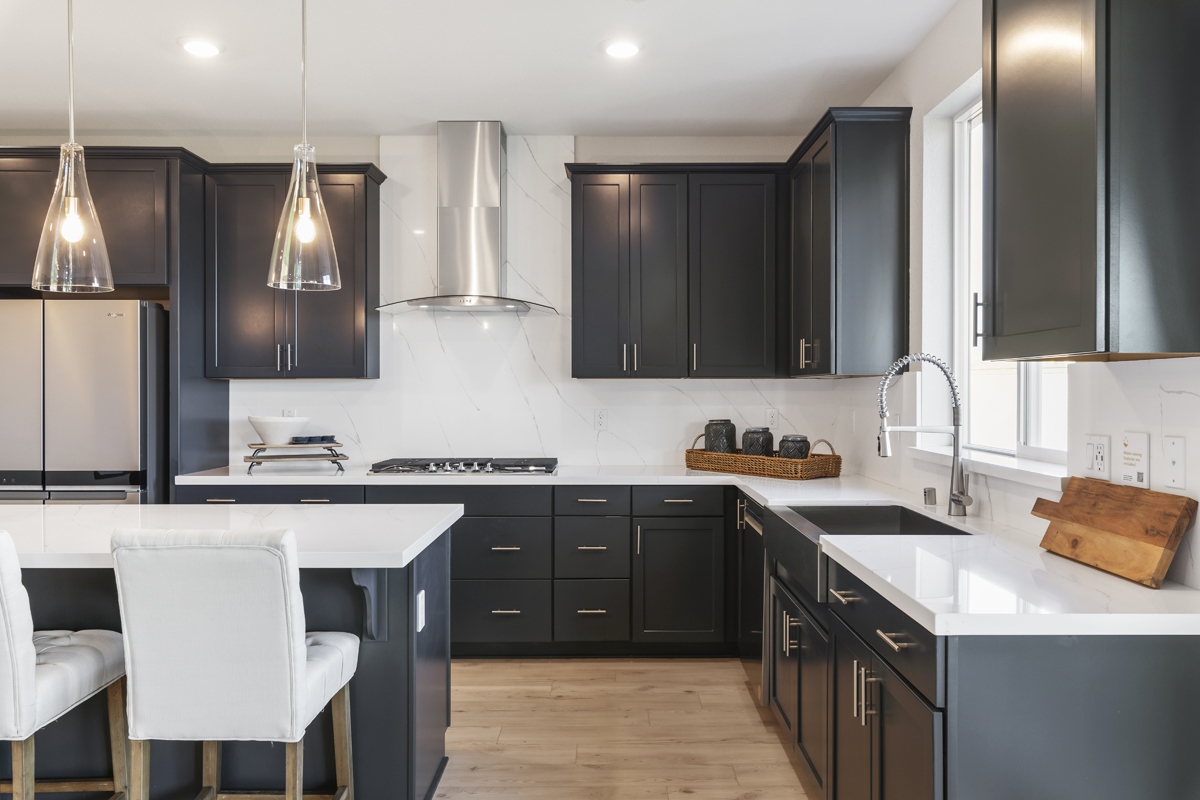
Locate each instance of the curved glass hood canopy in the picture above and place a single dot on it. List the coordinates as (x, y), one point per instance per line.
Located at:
(471, 232)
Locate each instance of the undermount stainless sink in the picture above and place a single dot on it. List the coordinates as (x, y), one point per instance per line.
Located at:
(873, 520)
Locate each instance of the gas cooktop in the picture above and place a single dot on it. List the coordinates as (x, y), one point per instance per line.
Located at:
(466, 466)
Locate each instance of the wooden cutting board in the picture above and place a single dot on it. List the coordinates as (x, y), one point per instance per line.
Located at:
(1129, 532)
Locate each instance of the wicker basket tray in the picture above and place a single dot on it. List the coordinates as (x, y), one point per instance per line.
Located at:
(817, 465)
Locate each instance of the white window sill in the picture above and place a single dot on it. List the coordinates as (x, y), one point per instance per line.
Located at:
(1039, 474)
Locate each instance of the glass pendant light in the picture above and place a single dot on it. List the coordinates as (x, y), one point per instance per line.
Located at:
(303, 257)
(71, 255)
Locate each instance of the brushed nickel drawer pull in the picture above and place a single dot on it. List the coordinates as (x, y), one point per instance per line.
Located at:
(887, 637)
(314, 501)
(854, 687)
(591, 547)
(591, 611)
(589, 500)
(219, 500)
(506, 548)
(845, 597)
(639, 548)
(677, 501)
(506, 611)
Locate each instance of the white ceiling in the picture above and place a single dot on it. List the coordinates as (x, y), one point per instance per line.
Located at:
(707, 67)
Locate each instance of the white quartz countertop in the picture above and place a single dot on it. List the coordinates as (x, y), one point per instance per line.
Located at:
(335, 536)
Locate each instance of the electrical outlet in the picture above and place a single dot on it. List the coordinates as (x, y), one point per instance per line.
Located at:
(601, 419)
(1097, 452)
(772, 418)
(289, 412)
(1175, 450)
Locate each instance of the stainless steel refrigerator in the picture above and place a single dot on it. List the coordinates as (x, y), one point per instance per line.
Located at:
(82, 401)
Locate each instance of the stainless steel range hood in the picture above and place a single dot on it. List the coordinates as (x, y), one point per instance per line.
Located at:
(471, 223)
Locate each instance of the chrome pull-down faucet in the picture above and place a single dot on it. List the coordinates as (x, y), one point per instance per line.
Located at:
(959, 499)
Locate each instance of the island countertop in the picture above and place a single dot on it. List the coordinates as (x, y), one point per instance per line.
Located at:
(334, 536)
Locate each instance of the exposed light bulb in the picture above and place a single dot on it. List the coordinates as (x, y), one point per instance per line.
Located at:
(72, 226)
(306, 231)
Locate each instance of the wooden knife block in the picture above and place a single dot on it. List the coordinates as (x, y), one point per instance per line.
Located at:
(1129, 532)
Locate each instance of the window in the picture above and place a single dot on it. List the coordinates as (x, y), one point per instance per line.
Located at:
(1015, 408)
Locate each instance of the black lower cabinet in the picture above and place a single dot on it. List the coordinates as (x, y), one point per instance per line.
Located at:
(679, 579)
(785, 659)
(853, 731)
(268, 494)
(812, 726)
(500, 611)
(591, 610)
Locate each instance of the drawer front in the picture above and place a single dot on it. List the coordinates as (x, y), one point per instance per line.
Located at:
(269, 494)
(678, 501)
(591, 547)
(591, 611)
(477, 501)
(921, 657)
(591, 501)
(500, 611)
(501, 548)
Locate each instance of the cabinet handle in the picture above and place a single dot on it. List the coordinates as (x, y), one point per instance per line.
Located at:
(624, 358)
(591, 611)
(289, 356)
(741, 513)
(278, 351)
(635, 356)
(976, 333)
(854, 685)
(314, 501)
(219, 500)
(785, 633)
(804, 362)
(589, 547)
(694, 348)
(887, 637)
(505, 611)
(845, 597)
(589, 500)
(639, 547)
(677, 501)
(506, 548)
(862, 694)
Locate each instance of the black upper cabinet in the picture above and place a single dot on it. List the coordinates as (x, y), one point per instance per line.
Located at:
(678, 579)
(130, 195)
(1089, 232)
(658, 275)
(849, 188)
(731, 272)
(255, 331)
(600, 276)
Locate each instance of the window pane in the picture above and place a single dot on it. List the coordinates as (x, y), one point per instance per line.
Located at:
(991, 385)
(1046, 395)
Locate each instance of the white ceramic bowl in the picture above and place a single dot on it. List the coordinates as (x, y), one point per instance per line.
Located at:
(278, 430)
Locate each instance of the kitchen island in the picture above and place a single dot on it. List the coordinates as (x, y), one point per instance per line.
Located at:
(381, 572)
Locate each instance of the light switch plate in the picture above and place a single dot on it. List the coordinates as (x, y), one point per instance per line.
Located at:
(1097, 455)
(1134, 469)
(420, 611)
(1175, 462)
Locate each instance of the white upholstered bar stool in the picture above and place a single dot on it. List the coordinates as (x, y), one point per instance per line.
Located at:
(44, 675)
(216, 651)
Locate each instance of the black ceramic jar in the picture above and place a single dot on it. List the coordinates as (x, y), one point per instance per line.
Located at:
(720, 436)
(794, 445)
(758, 442)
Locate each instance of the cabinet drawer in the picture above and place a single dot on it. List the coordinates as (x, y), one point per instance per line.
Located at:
(591, 501)
(591, 547)
(921, 655)
(500, 611)
(591, 611)
(501, 548)
(477, 501)
(678, 501)
(268, 494)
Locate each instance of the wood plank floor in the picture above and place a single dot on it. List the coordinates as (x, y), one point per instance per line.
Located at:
(612, 729)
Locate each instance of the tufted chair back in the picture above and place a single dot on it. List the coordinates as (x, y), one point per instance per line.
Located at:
(18, 658)
(214, 634)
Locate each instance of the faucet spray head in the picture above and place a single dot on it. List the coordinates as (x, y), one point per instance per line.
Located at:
(884, 442)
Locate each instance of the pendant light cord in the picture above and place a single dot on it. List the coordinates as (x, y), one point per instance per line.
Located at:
(71, 67)
(303, 70)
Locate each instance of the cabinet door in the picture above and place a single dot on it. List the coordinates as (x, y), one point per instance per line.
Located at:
(1042, 271)
(822, 286)
(600, 276)
(802, 267)
(679, 579)
(750, 625)
(812, 727)
(731, 269)
(852, 724)
(26, 185)
(327, 330)
(784, 689)
(910, 760)
(658, 275)
(246, 320)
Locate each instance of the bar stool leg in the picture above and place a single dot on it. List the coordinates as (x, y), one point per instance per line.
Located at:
(343, 754)
(211, 778)
(139, 769)
(22, 769)
(294, 781)
(118, 735)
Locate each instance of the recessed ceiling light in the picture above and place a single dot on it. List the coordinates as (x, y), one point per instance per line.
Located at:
(622, 49)
(199, 47)
(418, 232)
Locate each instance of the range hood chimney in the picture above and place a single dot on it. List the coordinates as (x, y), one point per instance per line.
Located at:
(471, 222)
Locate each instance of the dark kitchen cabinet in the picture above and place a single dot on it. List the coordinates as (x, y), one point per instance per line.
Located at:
(731, 275)
(849, 239)
(812, 726)
(784, 686)
(658, 275)
(255, 331)
(1089, 220)
(130, 195)
(600, 276)
(678, 579)
(853, 738)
